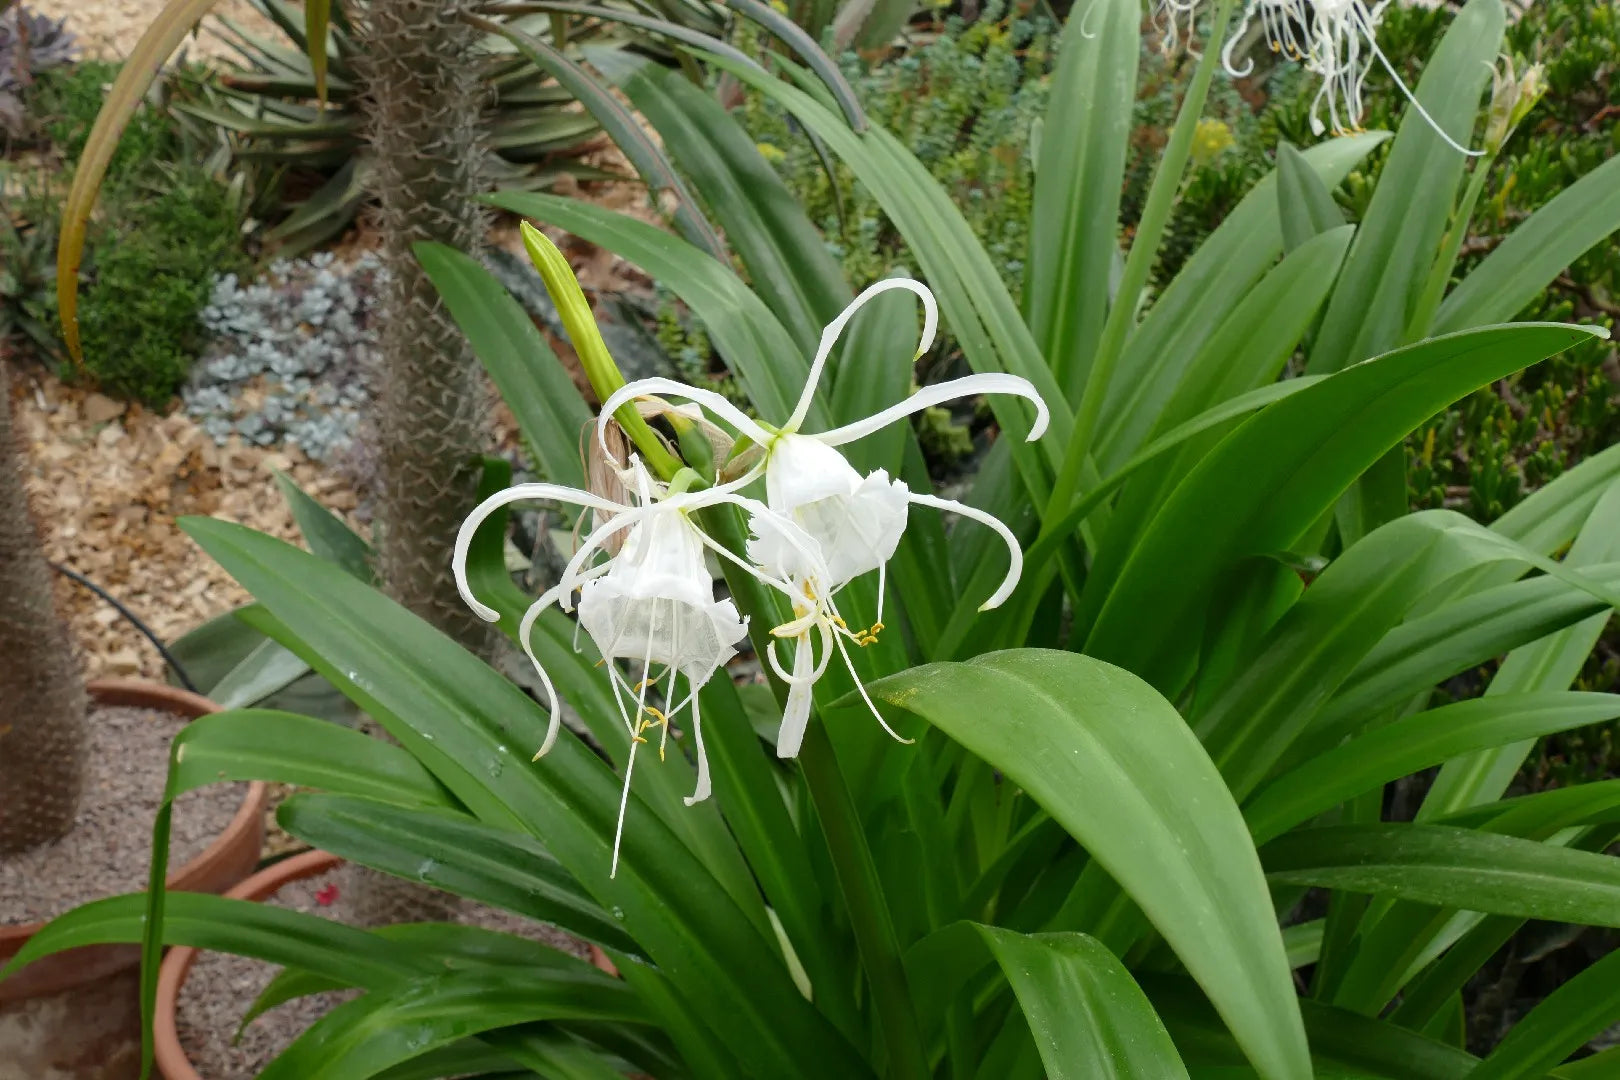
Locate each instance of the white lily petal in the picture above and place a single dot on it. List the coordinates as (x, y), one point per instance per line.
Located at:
(704, 788)
(1015, 554)
(796, 713)
(835, 329)
(710, 400)
(547, 598)
(517, 493)
(928, 396)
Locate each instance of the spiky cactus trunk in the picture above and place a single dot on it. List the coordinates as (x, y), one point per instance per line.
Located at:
(42, 702)
(423, 95)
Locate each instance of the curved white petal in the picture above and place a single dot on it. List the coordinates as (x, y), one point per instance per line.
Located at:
(928, 396)
(710, 400)
(516, 493)
(704, 787)
(1015, 554)
(547, 598)
(834, 329)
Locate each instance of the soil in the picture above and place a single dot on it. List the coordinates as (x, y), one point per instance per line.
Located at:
(107, 851)
(220, 988)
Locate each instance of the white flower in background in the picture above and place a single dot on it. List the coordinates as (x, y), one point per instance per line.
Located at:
(853, 521)
(1335, 40)
(651, 604)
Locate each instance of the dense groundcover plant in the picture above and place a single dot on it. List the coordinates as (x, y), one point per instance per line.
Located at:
(1139, 828)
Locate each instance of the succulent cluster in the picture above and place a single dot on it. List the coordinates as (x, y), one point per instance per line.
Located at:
(293, 355)
(29, 44)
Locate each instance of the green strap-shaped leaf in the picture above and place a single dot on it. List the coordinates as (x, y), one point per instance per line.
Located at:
(1273, 478)
(361, 1038)
(1074, 223)
(317, 16)
(1218, 275)
(469, 727)
(1116, 766)
(787, 261)
(1399, 235)
(454, 852)
(1449, 867)
(326, 534)
(1089, 1018)
(1417, 742)
(261, 744)
(1549, 664)
(1305, 206)
(1578, 218)
(531, 379)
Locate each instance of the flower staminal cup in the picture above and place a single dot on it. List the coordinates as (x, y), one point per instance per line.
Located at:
(854, 522)
(650, 605)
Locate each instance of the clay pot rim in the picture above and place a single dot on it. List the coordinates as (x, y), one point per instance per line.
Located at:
(172, 1061)
(144, 694)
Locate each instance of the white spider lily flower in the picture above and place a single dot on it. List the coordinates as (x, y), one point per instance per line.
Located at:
(651, 604)
(854, 521)
(1335, 40)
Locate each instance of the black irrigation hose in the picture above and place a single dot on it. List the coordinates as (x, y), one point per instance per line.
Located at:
(146, 631)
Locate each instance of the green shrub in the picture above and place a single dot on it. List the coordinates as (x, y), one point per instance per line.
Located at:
(163, 228)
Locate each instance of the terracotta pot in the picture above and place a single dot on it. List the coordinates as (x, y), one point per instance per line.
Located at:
(226, 861)
(172, 1062)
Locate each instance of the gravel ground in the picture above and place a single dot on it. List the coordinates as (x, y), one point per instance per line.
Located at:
(221, 987)
(107, 851)
(109, 29)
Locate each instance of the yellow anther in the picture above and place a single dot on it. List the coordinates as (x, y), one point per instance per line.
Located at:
(637, 738)
(658, 717)
(643, 684)
(600, 662)
(839, 622)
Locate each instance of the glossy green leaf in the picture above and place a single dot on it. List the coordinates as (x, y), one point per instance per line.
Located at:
(361, 1038)
(1074, 222)
(460, 720)
(1267, 483)
(455, 853)
(1089, 1018)
(1211, 283)
(283, 748)
(531, 379)
(1051, 721)
(1400, 232)
(1536, 252)
(1304, 203)
(788, 264)
(1450, 867)
(1413, 743)
(1549, 664)
(326, 534)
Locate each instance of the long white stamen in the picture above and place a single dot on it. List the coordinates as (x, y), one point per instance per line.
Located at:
(624, 803)
(850, 664)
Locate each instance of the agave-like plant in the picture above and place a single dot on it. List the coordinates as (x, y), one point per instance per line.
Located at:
(1142, 828)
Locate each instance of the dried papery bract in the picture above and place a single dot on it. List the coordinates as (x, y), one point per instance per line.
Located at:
(42, 721)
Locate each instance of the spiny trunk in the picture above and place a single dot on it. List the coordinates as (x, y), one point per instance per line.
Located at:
(42, 702)
(423, 94)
